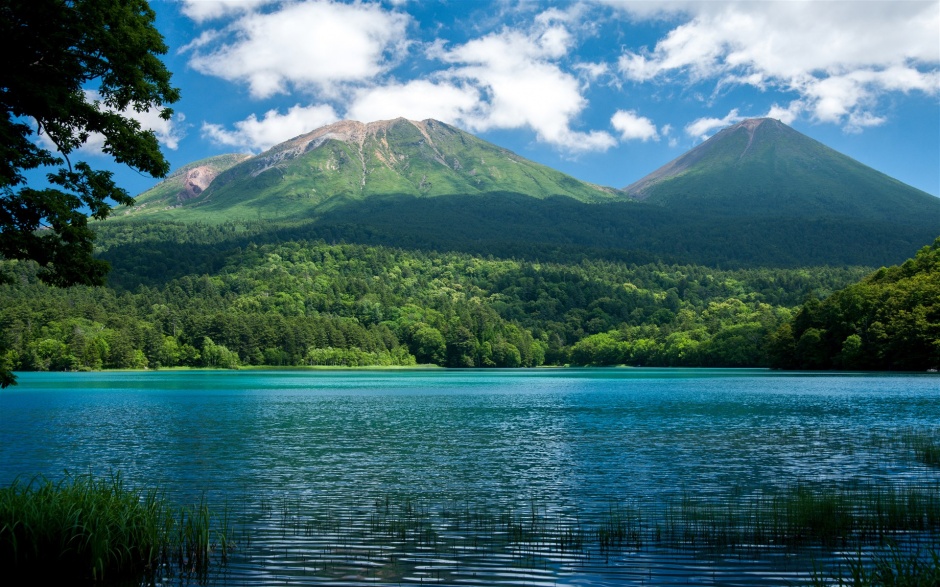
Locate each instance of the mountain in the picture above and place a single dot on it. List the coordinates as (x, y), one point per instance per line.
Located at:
(756, 194)
(762, 167)
(185, 183)
(350, 161)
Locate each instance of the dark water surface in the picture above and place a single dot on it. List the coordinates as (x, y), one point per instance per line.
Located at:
(388, 477)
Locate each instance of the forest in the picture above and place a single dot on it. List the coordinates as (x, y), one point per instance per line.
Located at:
(888, 321)
(222, 296)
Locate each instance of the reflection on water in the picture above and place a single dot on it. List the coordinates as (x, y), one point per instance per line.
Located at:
(319, 469)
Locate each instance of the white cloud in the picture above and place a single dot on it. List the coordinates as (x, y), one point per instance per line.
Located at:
(631, 126)
(786, 114)
(592, 71)
(168, 132)
(703, 127)
(311, 46)
(839, 57)
(859, 120)
(522, 86)
(577, 142)
(651, 10)
(257, 135)
(203, 10)
(342, 54)
(417, 100)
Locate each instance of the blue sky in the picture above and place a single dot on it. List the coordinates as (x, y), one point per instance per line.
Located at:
(606, 91)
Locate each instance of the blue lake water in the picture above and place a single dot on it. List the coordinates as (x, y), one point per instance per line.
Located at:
(306, 462)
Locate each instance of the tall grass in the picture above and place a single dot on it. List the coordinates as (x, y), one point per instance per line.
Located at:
(926, 445)
(90, 530)
(801, 515)
(923, 442)
(895, 567)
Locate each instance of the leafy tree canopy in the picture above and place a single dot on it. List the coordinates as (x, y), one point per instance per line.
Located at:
(888, 321)
(219, 296)
(73, 69)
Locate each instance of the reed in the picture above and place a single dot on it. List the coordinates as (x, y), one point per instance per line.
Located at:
(895, 567)
(802, 514)
(620, 527)
(89, 530)
(799, 518)
(926, 445)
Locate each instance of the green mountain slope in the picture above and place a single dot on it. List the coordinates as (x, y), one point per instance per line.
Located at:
(351, 161)
(762, 167)
(757, 194)
(185, 183)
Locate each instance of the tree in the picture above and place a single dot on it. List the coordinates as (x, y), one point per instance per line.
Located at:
(428, 346)
(889, 320)
(73, 69)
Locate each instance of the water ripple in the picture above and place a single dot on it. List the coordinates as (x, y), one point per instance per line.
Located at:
(472, 478)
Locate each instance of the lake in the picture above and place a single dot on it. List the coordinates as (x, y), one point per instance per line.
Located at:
(483, 476)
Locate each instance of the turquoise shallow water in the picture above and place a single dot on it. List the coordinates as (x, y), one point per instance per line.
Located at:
(289, 451)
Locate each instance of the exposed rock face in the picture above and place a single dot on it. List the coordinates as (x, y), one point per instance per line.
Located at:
(196, 181)
(188, 182)
(359, 134)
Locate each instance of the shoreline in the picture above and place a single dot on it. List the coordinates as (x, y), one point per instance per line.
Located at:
(426, 367)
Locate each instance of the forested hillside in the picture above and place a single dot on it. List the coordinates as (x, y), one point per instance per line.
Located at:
(762, 167)
(403, 242)
(889, 321)
(758, 194)
(311, 303)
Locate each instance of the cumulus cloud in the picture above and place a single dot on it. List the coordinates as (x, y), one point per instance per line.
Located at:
(522, 85)
(703, 127)
(343, 54)
(257, 135)
(786, 114)
(203, 10)
(311, 46)
(592, 71)
(169, 133)
(839, 57)
(417, 100)
(632, 126)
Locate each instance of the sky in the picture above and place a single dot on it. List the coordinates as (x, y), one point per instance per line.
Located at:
(606, 91)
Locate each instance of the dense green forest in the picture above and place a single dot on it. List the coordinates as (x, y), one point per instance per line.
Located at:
(225, 296)
(439, 248)
(555, 228)
(888, 321)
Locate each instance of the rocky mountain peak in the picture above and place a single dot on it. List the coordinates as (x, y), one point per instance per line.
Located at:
(351, 160)
(347, 131)
(751, 124)
(351, 132)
